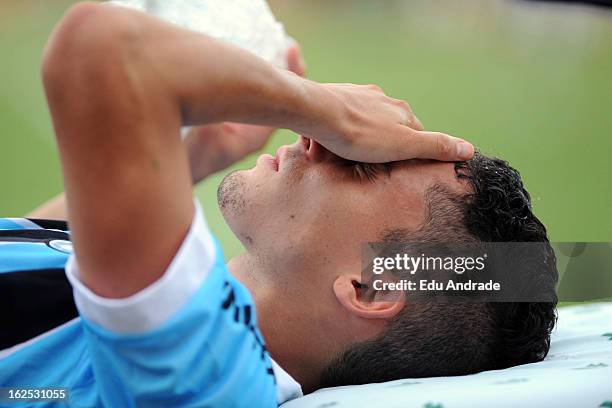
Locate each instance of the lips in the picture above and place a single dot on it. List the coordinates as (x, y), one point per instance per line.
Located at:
(268, 160)
(285, 153)
(280, 156)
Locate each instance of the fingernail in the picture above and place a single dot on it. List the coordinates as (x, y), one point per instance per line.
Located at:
(465, 151)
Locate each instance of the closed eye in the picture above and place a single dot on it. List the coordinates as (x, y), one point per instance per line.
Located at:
(369, 171)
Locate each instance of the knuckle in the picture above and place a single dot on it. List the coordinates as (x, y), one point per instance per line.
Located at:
(443, 145)
(374, 87)
(403, 104)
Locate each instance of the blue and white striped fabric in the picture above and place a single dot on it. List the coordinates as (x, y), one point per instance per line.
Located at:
(189, 339)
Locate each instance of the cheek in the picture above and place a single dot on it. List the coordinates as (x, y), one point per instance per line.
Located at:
(344, 212)
(300, 207)
(405, 208)
(311, 207)
(276, 206)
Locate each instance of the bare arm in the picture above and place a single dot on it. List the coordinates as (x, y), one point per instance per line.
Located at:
(54, 209)
(120, 84)
(232, 142)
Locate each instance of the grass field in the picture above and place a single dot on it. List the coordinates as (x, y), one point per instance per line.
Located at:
(531, 85)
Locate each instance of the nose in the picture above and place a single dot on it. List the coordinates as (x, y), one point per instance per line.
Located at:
(315, 152)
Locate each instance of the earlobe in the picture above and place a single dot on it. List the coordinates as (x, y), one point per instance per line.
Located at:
(349, 291)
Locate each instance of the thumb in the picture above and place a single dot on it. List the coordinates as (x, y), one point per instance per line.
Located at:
(295, 61)
(438, 146)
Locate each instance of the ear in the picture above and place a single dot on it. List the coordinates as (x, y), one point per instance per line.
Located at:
(349, 291)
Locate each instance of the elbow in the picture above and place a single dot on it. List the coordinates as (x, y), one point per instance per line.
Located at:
(65, 48)
(81, 48)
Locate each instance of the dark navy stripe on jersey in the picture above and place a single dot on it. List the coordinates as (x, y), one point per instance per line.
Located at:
(35, 295)
(33, 235)
(33, 302)
(50, 224)
(104, 367)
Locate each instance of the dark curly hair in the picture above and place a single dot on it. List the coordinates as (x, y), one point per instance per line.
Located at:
(433, 338)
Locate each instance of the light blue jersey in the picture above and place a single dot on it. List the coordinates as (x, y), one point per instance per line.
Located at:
(189, 339)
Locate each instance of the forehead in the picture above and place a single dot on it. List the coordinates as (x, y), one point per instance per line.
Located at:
(423, 174)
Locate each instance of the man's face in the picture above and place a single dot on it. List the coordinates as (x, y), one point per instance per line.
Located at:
(307, 210)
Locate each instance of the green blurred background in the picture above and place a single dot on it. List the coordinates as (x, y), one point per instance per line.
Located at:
(530, 84)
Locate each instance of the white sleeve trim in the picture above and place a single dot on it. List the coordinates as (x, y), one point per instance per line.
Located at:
(157, 303)
(287, 388)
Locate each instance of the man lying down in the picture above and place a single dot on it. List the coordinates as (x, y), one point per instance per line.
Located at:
(161, 320)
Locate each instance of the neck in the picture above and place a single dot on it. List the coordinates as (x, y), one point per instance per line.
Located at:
(287, 332)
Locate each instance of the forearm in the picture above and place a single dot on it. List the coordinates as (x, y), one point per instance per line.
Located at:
(212, 81)
(119, 86)
(238, 86)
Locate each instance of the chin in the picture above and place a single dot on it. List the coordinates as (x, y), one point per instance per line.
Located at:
(230, 195)
(232, 199)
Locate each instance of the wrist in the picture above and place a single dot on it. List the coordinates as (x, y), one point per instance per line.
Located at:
(318, 110)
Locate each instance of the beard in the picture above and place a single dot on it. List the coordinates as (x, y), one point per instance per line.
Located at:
(230, 194)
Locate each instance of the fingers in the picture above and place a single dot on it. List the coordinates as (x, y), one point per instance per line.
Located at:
(410, 119)
(295, 61)
(436, 146)
(415, 123)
